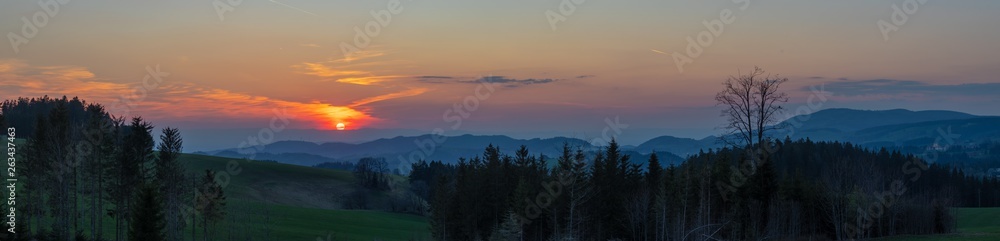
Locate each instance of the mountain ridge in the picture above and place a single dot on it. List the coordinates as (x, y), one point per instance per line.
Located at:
(893, 127)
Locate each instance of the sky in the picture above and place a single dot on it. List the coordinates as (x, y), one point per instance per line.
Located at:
(520, 67)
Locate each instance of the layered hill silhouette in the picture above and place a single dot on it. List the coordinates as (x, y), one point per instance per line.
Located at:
(873, 128)
(897, 127)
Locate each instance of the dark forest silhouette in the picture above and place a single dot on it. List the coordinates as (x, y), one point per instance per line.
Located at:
(82, 165)
(804, 189)
(87, 166)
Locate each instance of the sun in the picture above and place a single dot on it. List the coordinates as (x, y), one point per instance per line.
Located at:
(341, 126)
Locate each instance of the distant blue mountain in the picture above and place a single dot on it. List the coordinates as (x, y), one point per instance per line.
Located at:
(420, 147)
(870, 128)
(677, 145)
(840, 124)
(944, 132)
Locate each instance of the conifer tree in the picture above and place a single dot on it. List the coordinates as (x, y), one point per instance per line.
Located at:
(147, 216)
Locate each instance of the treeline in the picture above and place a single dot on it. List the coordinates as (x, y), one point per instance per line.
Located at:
(345, 166)
(22, 113)
(82, 168)
(788, 190)
(971, 157)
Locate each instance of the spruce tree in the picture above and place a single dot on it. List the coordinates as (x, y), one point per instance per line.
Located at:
(170, 174)
(147, 216)
(211, 202)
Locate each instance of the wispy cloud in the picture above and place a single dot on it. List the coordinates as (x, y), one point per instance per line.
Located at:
(293, 7)
(322, 70)
(434, 77)
(198, 102)
(909, 90)
(824, 77)
(18, 78)
(360, 55)
(401, 94)
(493, 79)
(369, 80)
(511, 82)
(894, 87)
(349, 70)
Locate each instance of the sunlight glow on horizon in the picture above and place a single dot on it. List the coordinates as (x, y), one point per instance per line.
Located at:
(607, 58)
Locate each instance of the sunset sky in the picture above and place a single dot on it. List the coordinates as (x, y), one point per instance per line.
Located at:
(606, 59)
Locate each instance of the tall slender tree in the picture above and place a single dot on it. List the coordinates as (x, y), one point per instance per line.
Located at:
(61, 171)
(36, 160)
(147, 215)
(99, 132)
(133, 164)
(170, 175)
(211, 203)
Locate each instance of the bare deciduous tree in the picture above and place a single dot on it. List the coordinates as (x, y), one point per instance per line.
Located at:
(752, 102)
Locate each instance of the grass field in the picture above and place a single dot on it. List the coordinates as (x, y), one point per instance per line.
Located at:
(307, 224)
(275, 183)
(295, 202)
(303, 202)
(974, 224)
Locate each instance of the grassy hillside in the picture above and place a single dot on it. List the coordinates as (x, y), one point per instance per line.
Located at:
(300, 203)
(276, 183)
(296, 202)
(974, 224)
(293, 223)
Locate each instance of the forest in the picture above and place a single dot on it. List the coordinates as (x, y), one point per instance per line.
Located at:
(82, 167)
(757, 188)
(796, 190)
(88, 167)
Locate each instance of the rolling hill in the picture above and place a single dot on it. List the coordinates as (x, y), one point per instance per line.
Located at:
(926, 133)
(677, 145)
(880, 128)
(452, 148)
(304, 203)
(840, 124)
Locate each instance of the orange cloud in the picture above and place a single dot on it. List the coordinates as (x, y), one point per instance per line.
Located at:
(405, 93)
(19, 79)
(174, 99)
(360, 55)
(368, 80)
(346, 71)
(318, 69)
